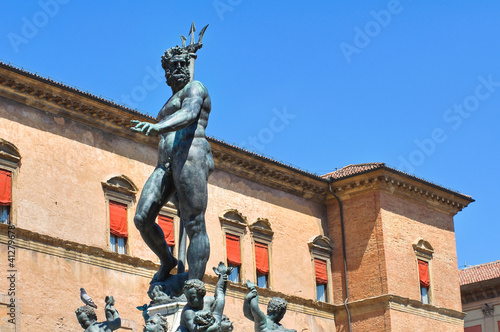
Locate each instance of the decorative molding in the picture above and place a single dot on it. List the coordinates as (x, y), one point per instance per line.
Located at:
(320, 246)
(268, 172)
(261, 230)
(487, 310)
(423, 249)
(121, 184)
(233, 221)
(390, 181)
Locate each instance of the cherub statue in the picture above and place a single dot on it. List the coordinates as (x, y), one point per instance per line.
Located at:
(276, 309)
(156, 323)
(88, 320)
(205, 313)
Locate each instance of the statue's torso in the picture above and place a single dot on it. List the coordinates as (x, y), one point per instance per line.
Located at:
(174, 145)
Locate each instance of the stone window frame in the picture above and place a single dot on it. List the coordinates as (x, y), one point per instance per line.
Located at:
(424, 251)
(169, 210)
(321, 247)
(10, 160)
(262, 232)
(120, 189)
(234, 223)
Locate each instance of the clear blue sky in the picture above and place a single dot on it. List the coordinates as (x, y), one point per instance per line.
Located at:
(320, 85)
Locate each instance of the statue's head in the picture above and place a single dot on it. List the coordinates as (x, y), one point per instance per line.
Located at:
(175, 62)
(204, 320)
(86, 316)
(276, 309)
(156, 323)
(195, 291)
(225, 324)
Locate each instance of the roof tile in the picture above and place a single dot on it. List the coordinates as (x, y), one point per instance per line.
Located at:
(477, 273)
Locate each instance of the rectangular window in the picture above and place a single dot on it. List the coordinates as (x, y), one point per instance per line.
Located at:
(5, 195)
(118, 226)
(321, 279)
(423, 275)
(475, 328)
(262, 264)
(167, 226)
(233, 256)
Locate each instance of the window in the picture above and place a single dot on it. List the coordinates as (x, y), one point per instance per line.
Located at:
(423, 252)
(262, 264)
(118, 227)
(234, 226)
(475, 328)
(119, 192)
(321, 250)
(9, 163)
(5, 195)
(167, 226)
(321, 279)
(423, 276)
(233, 252)
(262, 236)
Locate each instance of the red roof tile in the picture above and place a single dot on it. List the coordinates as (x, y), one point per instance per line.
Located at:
(352, 170)
(479, 273)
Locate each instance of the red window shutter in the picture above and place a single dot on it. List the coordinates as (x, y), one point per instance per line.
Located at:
(118, 219)
(5, 187)
(233, 250)
(423, 273)
(261, 258)
(320, 269)
(167, 226)
(475, 328)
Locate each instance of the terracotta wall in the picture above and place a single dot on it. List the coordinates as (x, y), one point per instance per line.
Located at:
(404, 222)
(365, 252)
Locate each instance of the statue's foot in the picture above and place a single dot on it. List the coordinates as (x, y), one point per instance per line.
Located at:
(164, 271)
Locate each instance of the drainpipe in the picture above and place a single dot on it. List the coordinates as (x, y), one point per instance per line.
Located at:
(330, 180)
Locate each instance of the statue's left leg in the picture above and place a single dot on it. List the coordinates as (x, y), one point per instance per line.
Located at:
(192, 192)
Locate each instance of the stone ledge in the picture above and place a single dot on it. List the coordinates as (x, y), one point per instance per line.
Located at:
(402, 304)
(29, 240)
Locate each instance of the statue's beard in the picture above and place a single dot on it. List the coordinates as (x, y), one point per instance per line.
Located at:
(179, 76)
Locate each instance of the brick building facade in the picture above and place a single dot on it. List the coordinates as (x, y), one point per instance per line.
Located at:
(366, 247)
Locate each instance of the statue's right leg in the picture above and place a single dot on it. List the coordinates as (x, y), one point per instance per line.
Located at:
(158, 189)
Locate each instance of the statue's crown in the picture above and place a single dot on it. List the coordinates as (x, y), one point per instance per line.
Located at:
(189, 50)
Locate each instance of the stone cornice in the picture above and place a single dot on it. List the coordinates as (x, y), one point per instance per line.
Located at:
(266, 171)
(481, 290)
(402, 304)
(397, 183)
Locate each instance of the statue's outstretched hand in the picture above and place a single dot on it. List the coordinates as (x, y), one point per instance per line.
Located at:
(147, 128)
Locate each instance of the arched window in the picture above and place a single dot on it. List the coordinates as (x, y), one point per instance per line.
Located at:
(119, 192)
(234, 226)
(321, 251)
(423, 253)
(9, 165)
(262, 236)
